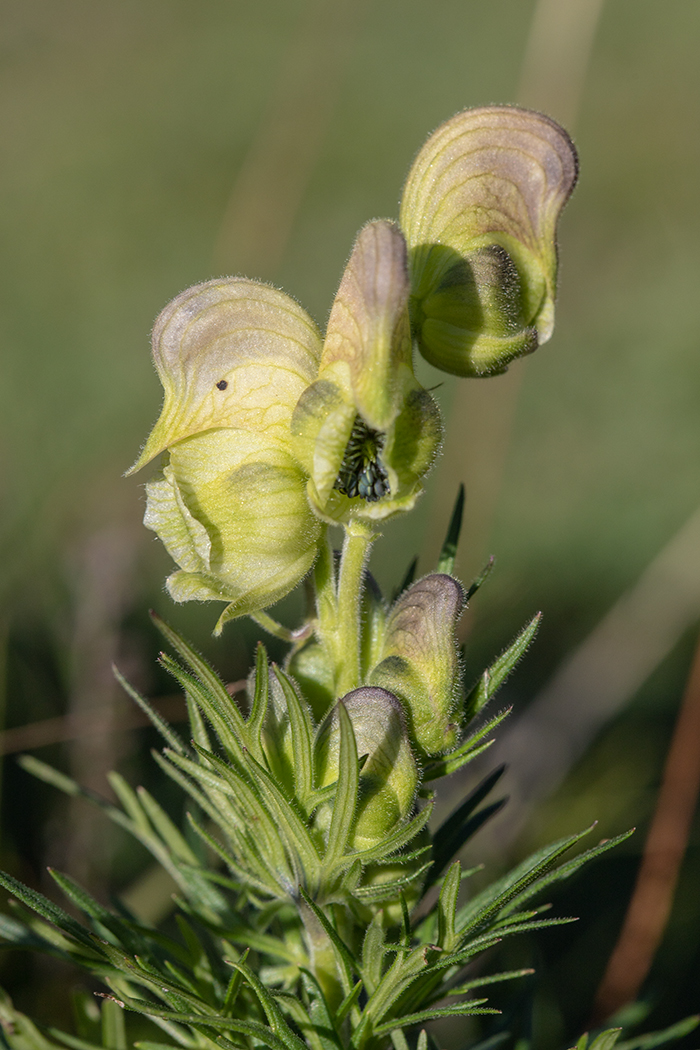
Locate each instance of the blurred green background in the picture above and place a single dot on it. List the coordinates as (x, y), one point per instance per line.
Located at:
(151, 144)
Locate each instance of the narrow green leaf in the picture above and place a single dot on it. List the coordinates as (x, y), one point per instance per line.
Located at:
(19, 935)
(322, 1019)
(386, 891)
(302, 738)
(132, 939)
(461, 1010)
(290, 825)
(348, 1002)
(406, 922)
(494, 898)
(148, 1044)
(447, 907)
(234, 987)
(653, 1039)
(492, 679)
(186, 784)
(448, 554)
(165, 730)
(129, 800)
(218, 715)
(55, 942)
(518, 916)
(606, 1040)
(205, 1022)
(272, 1011)
(346, 792)
(480, 579)
(321, 795)
(260, 700)
(566, 870)
(160, 820)
(40, 904)
(399, 1039)
(298, 1012)
(458, 827)
(347, 966)
(198, 727)
(373, 954)
(113, 1029)
(494, 978)
(265, 883)
(392, 843)
(500, 933)
(70, 1040)
(42, 771)
(247, 811)
(181, 979)
(466, 752)
(206, 675)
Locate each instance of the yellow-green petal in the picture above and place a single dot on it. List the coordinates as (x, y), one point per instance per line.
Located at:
(231, 509)
(230, 353)
(479, 211)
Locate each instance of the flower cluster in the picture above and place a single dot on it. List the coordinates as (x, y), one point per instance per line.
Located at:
(272, 431)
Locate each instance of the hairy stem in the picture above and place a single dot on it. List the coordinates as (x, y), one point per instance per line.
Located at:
(338, 604)
(358, 540)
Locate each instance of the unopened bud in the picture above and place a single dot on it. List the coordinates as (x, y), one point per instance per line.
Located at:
(419, 661)
(389, 777)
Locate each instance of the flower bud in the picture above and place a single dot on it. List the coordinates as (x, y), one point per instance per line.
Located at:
(419, 661)
(230, 504)
(366, 431)
(389, 777)
(479, 211)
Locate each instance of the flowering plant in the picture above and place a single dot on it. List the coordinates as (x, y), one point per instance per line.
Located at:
(317, 908)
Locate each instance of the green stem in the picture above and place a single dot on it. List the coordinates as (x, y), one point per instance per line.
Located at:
(324, 585)
(338, 603)
(358, 539)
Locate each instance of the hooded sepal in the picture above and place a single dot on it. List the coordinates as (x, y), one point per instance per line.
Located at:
(366, 431)
(479, 211)
(230, 353)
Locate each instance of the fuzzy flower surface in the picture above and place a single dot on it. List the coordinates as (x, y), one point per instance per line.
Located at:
(230, 502)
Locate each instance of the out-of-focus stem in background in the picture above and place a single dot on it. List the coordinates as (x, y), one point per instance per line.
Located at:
(104, 590)
(664, 849)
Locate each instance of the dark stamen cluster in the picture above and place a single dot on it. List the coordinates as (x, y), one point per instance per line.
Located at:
(362, 473)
